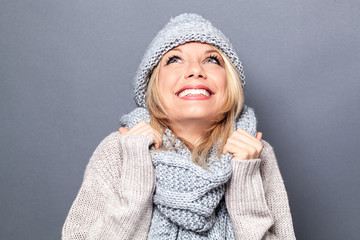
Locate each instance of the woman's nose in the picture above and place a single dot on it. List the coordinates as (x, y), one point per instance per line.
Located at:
(195, 70)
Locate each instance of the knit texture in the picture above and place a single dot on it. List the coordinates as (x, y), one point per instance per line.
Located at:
(187, 27)
(187, 196)
(115, 200)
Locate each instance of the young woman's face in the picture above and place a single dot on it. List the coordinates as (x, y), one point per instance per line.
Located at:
(192, 82)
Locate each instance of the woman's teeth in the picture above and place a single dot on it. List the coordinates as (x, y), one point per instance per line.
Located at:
(194, 92)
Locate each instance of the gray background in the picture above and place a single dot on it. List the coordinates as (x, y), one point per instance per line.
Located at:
(66, 70)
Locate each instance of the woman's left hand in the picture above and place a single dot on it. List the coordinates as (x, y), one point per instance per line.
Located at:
(243, 145)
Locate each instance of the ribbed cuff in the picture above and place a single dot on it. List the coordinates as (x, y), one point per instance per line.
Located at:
(245, 193)
(138, 176)
(136, 147)
(130, 214)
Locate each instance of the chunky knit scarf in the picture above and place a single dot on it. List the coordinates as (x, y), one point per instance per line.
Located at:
(189, 200)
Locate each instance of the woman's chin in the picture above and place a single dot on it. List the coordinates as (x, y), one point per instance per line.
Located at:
(195, 116)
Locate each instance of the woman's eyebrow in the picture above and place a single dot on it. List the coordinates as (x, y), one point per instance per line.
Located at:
(176, 49)
(210, 51)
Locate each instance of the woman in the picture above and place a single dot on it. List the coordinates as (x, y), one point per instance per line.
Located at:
(188, 162)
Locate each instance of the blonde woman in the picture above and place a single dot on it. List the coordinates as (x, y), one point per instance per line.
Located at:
(188, 163)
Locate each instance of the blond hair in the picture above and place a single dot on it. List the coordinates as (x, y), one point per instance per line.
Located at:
(222, 126)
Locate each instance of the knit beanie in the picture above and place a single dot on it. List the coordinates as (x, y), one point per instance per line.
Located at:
(187, 27)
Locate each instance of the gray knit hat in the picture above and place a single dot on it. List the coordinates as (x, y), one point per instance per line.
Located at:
(187, 27)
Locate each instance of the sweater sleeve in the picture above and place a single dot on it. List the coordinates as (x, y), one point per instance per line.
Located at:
(256, 199)
(115, 198)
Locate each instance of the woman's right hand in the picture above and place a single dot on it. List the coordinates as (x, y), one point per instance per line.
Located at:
(143, 128)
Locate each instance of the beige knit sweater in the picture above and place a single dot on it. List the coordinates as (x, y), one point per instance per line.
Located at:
(115, 198)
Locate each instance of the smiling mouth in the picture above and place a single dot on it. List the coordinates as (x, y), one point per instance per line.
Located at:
(194, 92)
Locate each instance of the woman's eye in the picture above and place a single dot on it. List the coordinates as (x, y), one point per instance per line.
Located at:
(213, 59)
(172, 59)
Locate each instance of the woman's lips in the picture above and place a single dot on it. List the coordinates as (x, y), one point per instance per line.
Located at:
(194, 92)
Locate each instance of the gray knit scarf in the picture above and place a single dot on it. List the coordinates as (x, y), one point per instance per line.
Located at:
(189, 200)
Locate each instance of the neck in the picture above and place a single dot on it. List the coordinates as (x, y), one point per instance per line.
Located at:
(189, 130)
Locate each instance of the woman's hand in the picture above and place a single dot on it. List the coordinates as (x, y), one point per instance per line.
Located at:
(243, 145)
(142, 128)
